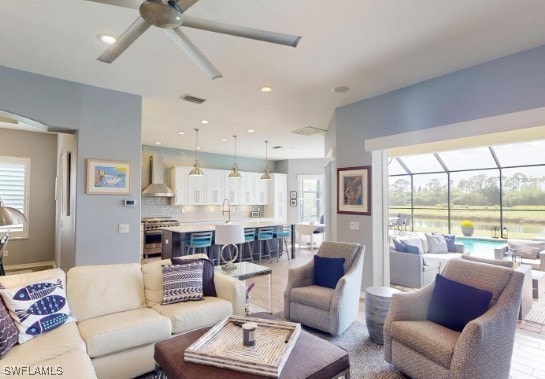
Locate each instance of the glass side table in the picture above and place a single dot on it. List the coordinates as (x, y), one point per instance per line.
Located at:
(248, 270)
(514, 255)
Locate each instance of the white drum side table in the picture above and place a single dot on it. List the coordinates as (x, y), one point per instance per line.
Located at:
(377, 305)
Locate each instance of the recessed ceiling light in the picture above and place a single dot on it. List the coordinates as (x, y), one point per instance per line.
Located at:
(251, 130)
(106, 39)
(157, 142)
(181, 133)
(204, 121)
(223, 140)
(265, 89)
(341, 89)
(198, 147)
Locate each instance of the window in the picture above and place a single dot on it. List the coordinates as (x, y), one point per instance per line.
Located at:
(14, 190)
(310, 197)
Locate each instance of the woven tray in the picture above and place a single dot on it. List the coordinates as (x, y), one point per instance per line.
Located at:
(222, 346)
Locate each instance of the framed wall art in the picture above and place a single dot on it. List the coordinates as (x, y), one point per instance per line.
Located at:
(293, 202)
(293, 194)
(354, 190)
(108, 177)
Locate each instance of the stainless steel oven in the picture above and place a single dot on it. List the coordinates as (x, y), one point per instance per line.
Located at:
(153, 235)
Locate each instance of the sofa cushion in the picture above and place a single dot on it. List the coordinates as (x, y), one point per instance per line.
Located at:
(57, 342)
(116, 332)
(427, 338)
(208, 287)
(182, 282)
(8, 331)
(37, 308)
(328, 271)
(193, 315)
(98, 290)
(313, 296)
(454, 304)
(402, 246)
(528, 249)
(437, 243)
(414, 241)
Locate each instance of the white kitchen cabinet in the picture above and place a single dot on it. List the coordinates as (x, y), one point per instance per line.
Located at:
(261, 190)
(215, 183)
(248, 188)
(232, 188)
(277, 207)
(178, 183)
(196, 188)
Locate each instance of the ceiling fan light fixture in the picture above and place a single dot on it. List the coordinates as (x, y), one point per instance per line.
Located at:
(234, 171)
(266, 175)
(196, 170)
(107, 39)
(162, 15)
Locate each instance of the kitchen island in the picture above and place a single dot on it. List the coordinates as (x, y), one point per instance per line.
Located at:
(174, 236)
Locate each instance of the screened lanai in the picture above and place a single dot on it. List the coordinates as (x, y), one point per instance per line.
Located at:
(500, 189)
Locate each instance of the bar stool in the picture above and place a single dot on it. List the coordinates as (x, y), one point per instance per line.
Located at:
(249, 237)
(264, 235)
(199, 240)
(282, 232)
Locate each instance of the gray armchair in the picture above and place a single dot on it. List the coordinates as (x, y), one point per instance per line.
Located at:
(483, 349)
(326, 309)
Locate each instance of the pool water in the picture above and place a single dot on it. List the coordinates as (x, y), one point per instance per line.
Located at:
(483, 247)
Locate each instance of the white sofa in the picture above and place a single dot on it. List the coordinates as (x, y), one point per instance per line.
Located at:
(120, 318)
(418, 270)
(532, 252)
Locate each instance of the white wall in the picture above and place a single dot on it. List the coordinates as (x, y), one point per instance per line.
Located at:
(501, 87)
(108, 125)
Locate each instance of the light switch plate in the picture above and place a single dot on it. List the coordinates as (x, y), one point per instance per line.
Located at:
(354, 225)
(123, 228)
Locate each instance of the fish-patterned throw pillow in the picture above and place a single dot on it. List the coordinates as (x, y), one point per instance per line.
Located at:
(38, 307)
(8, 330)
(182, 283)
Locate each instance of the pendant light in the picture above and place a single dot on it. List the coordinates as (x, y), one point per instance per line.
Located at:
(234, 171)
(266, 175)
(196, 170)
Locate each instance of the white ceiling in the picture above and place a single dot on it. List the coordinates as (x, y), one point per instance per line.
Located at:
(371, 46)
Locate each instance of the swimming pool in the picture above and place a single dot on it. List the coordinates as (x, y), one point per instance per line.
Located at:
(483, 247)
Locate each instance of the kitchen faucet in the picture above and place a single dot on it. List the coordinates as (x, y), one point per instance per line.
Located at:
(228, 211)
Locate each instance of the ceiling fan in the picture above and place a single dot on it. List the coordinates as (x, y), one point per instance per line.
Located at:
(170, 15)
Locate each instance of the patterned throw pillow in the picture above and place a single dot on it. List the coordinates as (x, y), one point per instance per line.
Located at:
(8, 330)
(182, 283)
(208, 287)
(38, 307)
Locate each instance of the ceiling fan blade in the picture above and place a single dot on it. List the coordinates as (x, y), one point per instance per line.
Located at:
(133, 4)
(241, 31)
(193, 52)
(186, 4)
(130, 35)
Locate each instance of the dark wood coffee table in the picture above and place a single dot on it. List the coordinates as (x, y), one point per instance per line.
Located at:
(311, 357)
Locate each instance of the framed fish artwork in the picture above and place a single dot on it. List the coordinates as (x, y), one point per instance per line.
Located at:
(108, 177)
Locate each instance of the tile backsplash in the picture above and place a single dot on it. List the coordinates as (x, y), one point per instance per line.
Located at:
(161, 207)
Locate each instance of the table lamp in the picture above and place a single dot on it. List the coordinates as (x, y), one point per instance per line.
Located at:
(8, 216)
(229, 234)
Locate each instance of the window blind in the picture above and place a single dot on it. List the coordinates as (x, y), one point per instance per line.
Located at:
(14, 188)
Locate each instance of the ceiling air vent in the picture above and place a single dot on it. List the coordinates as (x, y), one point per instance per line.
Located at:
(192, 99)
(277, 147)
(309, 131)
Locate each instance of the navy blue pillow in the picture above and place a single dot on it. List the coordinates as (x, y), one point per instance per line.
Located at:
(328, 271)
(400, 246)
(454, 304)
(208, 287)
(451, 247)
(410, 248)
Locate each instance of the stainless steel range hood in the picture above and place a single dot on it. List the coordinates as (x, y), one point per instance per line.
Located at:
(157, 188)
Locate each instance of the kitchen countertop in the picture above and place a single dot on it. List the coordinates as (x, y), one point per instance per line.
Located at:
(204, 227)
